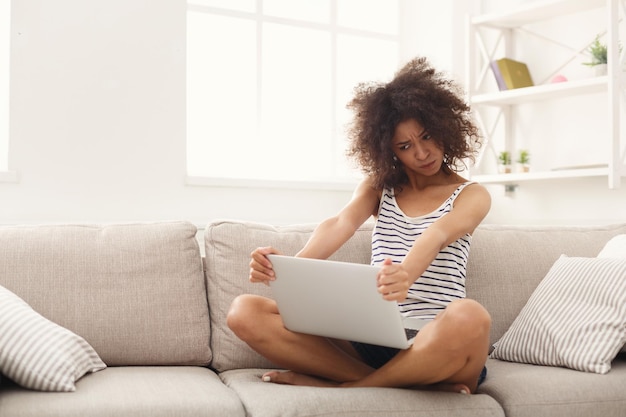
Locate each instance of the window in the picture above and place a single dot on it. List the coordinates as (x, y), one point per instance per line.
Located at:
(5, 23)
(268, 82)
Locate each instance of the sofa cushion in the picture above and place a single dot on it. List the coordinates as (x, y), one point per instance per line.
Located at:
(137, 391)
(544, 391)
(506, 263)
(274, 400)
(228, 245)
(39, 354)
(575, 318)
(135, 292)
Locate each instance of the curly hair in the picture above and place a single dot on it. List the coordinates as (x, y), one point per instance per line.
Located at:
(417, 92)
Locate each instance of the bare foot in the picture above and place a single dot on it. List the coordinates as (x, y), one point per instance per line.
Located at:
(293, 378)
(458, 388)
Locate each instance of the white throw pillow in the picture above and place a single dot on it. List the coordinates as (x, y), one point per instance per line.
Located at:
(39, 354)
(615, 248)
(575, 318)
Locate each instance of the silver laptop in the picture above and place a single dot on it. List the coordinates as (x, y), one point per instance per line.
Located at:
(338, 300)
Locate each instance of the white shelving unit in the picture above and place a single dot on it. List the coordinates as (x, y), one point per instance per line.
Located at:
(478, 60)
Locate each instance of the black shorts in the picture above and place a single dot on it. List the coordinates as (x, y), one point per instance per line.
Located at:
(376, 356)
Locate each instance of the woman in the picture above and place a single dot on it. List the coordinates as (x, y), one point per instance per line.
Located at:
(409, 136)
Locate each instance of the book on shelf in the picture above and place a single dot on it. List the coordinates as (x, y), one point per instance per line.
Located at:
(496, 72)
(511, 74)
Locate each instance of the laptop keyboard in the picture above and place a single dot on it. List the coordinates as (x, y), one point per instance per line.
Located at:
(410, 333)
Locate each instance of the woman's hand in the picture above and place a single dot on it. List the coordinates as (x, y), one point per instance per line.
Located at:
(393, 281)
(260, 267)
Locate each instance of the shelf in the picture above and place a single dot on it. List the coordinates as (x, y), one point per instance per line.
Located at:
(535, 12)
(500, 128)
(543, 92)
(516, 178)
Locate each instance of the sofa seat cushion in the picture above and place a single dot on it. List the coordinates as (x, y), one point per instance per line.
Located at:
(130, 392)
(543, 391)
(135, 292)
(263, 399)
(228, 245)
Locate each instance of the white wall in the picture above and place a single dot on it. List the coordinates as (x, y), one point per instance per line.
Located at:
(98, 127)
(98, 122)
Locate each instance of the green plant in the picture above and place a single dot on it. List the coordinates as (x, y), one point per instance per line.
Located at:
(523, 157)
(598, 52)
(505, 158)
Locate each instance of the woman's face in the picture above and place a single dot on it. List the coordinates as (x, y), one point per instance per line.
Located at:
(416, 149)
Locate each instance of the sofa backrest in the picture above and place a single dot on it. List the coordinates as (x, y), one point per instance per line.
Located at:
(228, 245)
(135, 292)
(507, 263)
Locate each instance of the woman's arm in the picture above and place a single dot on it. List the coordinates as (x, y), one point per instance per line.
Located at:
(470, 208)
(328, 236)
(333, 232)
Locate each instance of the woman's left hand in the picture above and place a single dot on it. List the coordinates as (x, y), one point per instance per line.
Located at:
(393, 281)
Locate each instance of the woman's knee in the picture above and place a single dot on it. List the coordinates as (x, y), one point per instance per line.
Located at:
(249, 316)
(242, 310)
(469, 314)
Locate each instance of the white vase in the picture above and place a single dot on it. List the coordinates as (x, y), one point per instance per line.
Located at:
(504, 169)
(600, 69)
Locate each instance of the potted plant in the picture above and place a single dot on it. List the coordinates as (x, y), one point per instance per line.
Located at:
(599, 56)
(523, 159)
(504, 159)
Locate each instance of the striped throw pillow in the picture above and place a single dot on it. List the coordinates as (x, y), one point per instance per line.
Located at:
(39, 354)
(575, 318)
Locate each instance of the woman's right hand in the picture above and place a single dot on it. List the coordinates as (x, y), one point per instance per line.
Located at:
(261, 269)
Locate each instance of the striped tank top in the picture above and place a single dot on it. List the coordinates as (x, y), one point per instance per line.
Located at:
(444, 280)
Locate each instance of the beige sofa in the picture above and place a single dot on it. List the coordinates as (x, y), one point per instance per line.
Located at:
(153, 308)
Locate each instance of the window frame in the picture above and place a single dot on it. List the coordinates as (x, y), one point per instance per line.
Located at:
(6, 174)
(334, 30)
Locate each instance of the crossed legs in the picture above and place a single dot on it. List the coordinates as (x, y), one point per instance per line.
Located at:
(448, 354)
